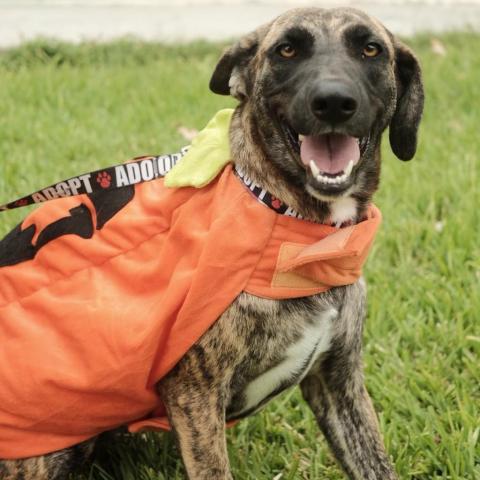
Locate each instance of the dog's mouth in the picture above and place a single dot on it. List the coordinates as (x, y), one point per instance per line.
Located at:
(329, 159)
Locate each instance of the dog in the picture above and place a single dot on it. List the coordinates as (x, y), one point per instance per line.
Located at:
(316, 90)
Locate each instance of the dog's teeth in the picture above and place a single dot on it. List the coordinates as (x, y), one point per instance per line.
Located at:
(349, 169)
(331, 180)
(324, 179)
(301, 137)
(313, 167)
(340, 179)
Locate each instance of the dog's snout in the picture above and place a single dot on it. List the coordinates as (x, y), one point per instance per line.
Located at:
(333, 103)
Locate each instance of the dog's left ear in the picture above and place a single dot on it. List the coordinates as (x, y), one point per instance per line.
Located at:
(406, 119)
(232, 74)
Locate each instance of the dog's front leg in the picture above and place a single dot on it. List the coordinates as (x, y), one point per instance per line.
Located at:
(195, 401)
(335, 390)
(348, 421)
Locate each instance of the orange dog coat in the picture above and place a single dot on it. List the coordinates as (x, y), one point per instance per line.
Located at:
(101, 295)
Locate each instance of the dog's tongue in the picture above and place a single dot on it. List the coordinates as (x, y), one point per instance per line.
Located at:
(331, 153)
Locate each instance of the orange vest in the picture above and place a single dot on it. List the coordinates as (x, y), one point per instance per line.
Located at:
(94, 320)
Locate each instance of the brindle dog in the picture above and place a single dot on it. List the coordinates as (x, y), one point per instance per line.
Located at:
(329, 75)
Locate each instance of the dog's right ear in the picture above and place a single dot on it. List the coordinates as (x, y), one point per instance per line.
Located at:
(232, 74)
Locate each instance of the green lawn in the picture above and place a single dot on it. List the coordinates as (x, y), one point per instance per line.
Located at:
(65, 110)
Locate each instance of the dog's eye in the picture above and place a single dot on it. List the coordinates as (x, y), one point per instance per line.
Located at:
(372, 50)
(287, 50)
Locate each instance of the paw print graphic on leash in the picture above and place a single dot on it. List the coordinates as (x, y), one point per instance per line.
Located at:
(104, 179)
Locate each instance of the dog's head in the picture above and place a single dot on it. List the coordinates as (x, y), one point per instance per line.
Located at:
(323, 85)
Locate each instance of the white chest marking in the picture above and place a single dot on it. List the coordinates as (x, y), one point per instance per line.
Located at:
(298, 360)
(343, 210)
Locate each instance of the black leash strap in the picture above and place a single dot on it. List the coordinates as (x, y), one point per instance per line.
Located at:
(139, 170)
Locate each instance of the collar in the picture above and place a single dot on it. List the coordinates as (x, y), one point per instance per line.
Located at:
(272, 202)
(265, 197)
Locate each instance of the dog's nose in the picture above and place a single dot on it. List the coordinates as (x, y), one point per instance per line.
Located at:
(333, 103)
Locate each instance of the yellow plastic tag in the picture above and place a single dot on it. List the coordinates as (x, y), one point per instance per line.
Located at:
(207, 156)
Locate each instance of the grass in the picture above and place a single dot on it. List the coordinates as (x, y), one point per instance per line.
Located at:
(70, 109)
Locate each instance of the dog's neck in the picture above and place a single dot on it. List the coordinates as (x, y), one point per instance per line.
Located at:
(252, 160)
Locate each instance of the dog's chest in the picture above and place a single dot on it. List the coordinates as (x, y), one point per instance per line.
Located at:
(292, 366)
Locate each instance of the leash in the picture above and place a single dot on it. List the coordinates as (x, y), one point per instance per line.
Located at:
(139, 170)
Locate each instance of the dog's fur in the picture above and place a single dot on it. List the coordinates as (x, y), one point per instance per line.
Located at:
(259, 347)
